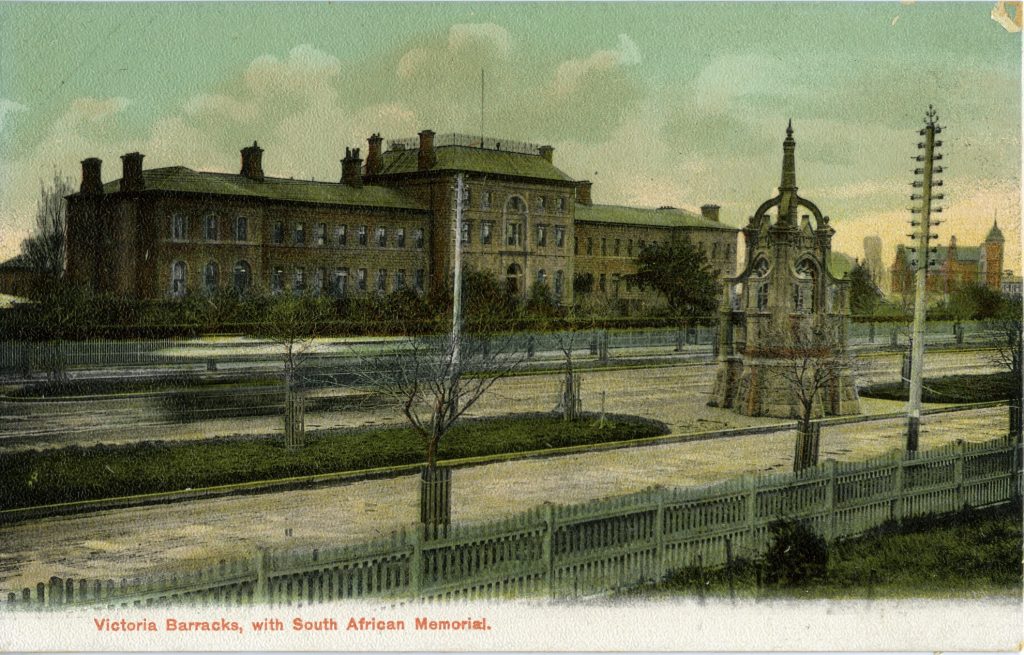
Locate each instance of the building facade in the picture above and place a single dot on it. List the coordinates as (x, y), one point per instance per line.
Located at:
(785, 314)
(953, 266)
(388, 224)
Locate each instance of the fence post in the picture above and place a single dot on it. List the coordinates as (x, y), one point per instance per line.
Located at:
(416, 564)
(958, 474)
(548, 548)
(896, 511)
(750, 484)
(659, 537)
(830, 500)
(262, 575)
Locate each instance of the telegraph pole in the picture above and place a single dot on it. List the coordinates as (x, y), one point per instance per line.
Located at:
(922, 250)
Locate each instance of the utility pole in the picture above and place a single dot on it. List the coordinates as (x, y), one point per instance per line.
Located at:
(922, 250)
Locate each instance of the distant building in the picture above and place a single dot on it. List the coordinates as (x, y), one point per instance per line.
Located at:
(1012, 284)
(873, 259)
(384, 226)
(18, 278)
(953, 266)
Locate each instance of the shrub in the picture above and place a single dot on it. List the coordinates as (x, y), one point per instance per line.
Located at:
(797, 555)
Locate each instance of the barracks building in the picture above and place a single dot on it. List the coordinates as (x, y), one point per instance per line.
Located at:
(387, 224)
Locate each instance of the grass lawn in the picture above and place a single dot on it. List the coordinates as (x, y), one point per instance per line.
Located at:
(952, 389)
(41, 477)
(90, 387)
(970, 554)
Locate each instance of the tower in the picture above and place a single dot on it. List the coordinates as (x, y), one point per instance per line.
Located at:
(785, 306)
(993, 258)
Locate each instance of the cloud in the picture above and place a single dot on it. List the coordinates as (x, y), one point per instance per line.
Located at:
(9, 108)
(629, 53)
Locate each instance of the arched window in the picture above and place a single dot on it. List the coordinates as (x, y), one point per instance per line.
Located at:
(804, 290)
(241, 229)
(211, 276)
(277, 280)
(514, 279)
(178, 278)
(542, 276)
(242, 276)
(559, 283)
(210, 227)
(179, 227)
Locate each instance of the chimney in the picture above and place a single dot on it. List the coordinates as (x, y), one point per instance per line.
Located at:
(352, 168)
(131, 172)
(373, 159)
(710, 212)
(92, 184)
(547, 152)
(252, 162)
(427, 158)
(583, 192)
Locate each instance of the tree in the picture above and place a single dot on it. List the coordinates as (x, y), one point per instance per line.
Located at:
(292, 324)
(45, 250)
(809, 359)
(865, 295)
(1006, 329)
(679, 271)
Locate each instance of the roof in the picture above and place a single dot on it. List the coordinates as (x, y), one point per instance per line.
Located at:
(665, 217)
(186, 180)
(474, 160)
(963, 254)
(18, 262)
(995, 234)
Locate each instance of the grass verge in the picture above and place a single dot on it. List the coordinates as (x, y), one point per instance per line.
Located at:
(952, 389)
(41, 477)
(969, 554)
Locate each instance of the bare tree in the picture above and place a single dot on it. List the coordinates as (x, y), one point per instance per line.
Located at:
(810, 360)
(45, 250)
(1006, 328)
(292, 324)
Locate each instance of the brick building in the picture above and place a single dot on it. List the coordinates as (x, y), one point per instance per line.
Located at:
(387, 224)
(953, 266)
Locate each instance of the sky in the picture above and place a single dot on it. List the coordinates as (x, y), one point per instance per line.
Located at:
(676, 104)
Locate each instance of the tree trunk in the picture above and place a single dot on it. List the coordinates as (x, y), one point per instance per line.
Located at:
(808, 436)
(435, 501)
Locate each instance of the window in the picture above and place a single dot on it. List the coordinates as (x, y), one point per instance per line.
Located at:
(513, 233)
(341, 235)
(515, 205)
(420, 279)
(643, 244)
(211, 275)
(542, 277)
(241, 229)
(278, 235)
(541, 204)
(575, 245)
(210, 227)
(318, 280)
(762, 297)
(514, 279)
(542, 236)
(618, 246)
(299, 284)
(466, 230)
(320, 233)
(399, 279)
(300, 234)
(560, 236)
(178, 279)
(590, 245)
(714, 250)
(486, 229)
(242, 276)
(382, 237)
(562, 205)
(361, 279)
(179, 227)
(417, 236)
(602, 284)
(467, 197)
(559, 283)
(604, 246)
(382, 280)
(616, 280)
(485, 200)
(341, 281)
(277, 280)
(361, 232)
(400, 237)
